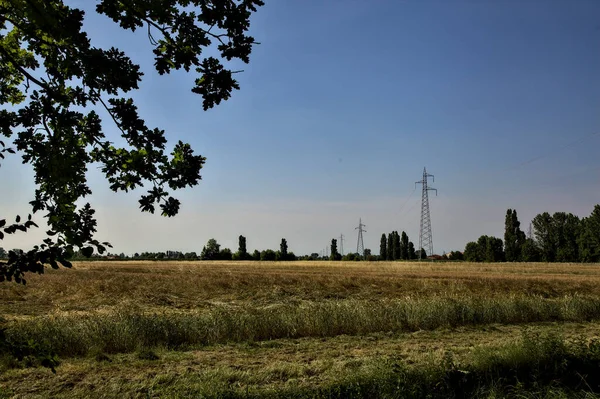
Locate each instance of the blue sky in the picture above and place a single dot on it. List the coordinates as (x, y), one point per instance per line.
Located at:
(345, 102)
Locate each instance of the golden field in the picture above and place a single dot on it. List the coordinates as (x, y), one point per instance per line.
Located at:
(254, 329)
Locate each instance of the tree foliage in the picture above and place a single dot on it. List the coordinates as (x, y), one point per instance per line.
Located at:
(383, 247)
(334, 255)
(211, 250)
(514, 237)
(283, 250)
(486, 249)
(54, 83)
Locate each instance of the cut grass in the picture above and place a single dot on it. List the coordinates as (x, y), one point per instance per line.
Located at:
(537, 365)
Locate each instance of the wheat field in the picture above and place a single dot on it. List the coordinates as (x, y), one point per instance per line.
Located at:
(275, 329)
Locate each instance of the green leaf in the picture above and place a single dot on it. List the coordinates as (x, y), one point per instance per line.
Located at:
(87, 251)
(18, 219)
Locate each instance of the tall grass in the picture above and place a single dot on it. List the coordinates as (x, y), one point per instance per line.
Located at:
(128, 329)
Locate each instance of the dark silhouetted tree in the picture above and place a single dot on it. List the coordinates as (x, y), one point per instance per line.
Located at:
(411, 251)
(225, 254)
(544, 232)
(514, 237)
(268, 255)
(530, 251)
(211, 250)
(589, 237)
(54, 80)
(390, 247)
(472, 253)
(334, 255)
(397, 247)
(404, 247)
(383, 247)
(283, 250)
(242, 253)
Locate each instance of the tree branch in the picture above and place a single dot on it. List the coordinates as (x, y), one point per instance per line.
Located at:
(24, 72)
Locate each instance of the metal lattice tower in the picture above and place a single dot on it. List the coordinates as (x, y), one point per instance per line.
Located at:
(342, 244)
(360, 246)
(425, 235)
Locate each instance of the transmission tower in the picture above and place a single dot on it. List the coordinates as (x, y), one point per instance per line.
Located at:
(425, 235)
(360, 246)
(342, 244)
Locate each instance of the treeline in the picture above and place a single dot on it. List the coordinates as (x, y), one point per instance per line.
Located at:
(561, 237)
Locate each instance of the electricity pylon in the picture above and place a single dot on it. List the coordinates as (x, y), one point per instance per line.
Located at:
(425, 235)
(342, 244)
(360, 246)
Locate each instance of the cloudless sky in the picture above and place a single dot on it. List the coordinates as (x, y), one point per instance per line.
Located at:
(345, 102)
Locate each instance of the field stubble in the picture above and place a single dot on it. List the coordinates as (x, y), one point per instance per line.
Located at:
(247, 310)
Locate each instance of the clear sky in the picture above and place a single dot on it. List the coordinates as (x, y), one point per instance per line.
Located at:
(344, 103)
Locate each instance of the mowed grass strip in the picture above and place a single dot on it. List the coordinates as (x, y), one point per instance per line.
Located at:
(540, 364)
(130, 328)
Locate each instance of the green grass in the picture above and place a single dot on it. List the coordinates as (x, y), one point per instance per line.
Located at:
(537, 366)
(129, 329)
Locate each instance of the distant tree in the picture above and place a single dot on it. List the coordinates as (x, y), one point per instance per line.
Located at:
(333, 249)
(211, 250)
(514, 237)
(544, 232)
(268, 255)
(486, 249)
(190, 255)
(314, 256)
(242, 253)
(397, 246)
(3, 253)
(283, 249)
(589, 237)
(256, 255)
(350, 257)
(530, 251)
(411, 251)
(567, 228)
(368, 256)
(423, 254)
(557, 236)
(404, 253)
(225, 254)
(136, 255)
(494, 251)
(335, 255)
(455, 255)
(383, 247)
(390, 247)
(471, 253)
(482, 244)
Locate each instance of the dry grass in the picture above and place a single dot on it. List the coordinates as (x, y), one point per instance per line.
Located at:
(268, 325)
(192, 285)
(268, 365)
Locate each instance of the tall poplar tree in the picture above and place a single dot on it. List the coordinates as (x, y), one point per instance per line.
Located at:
(383, 248)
